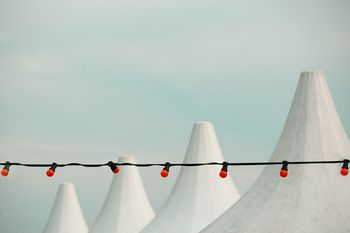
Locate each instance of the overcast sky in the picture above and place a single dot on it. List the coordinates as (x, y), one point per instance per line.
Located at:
(89, 81)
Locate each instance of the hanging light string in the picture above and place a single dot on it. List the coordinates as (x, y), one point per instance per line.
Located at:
(166, 166)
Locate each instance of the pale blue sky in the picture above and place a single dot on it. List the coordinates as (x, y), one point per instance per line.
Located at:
(92, 80)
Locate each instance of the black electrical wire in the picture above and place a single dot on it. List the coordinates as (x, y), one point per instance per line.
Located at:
(171, 164)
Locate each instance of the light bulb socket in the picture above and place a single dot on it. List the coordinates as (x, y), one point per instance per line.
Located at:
(167, 166)
(53, 166)
(224, 166)
(284, 165)
(7, 166)
(346, 164)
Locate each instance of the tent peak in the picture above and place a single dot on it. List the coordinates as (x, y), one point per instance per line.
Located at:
(312, 74)
(127, 159)
(313, 199)
(203, 123)
(126, 207)
(66, 185)
(193, 202)
(66, 215)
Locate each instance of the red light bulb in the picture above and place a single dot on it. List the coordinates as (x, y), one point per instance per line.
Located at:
(116, 170)
(344, 171)
(113, 166)
(164, 173)
(6, 169)
(284, 169)
(50, 172)
(4, 172)
(223, 171)
(345, 168)
(283, 173)
(223, 174)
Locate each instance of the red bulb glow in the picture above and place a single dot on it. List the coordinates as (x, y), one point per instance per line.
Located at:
(50, 172)
(344, 171)
(284, 173)
(4, 172)
(116, 170)
(164, 173)
(223, 174)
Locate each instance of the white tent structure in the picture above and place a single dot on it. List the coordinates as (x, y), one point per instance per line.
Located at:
(66, 215)
(313, 198)
(126, 208)
(199, 195)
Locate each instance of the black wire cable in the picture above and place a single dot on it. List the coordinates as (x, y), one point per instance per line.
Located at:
(171, 164)
(166, 166)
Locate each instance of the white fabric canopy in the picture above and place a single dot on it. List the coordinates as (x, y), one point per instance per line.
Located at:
(199, 195)
(66, 215)
(314, 198)
(126, 208)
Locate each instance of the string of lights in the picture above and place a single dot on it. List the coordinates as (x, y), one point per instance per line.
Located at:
(166, 166)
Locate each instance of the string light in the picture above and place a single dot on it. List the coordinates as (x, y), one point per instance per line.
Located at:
(115, 169)
(223, 171)
(166, 166)
(345, 168)
(6, 169)
(51, 171)
(284, 169)
(165, 171)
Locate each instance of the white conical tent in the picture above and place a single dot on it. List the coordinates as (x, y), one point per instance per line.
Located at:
(126, 208)
(66, 215)
(199, 195)
(314, 198)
